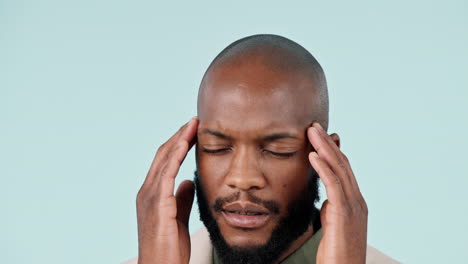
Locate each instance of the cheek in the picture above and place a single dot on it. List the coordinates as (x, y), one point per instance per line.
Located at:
(288, 178)
(212, 170)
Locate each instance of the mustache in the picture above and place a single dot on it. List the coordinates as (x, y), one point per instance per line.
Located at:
(270, 205)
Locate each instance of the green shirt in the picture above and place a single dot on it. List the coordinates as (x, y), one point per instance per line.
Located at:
(305, 254)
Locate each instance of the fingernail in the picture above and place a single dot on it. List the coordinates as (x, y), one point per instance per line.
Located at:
(312, 129)
(317, 124)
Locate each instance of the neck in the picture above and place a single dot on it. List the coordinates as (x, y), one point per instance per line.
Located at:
(297, 244)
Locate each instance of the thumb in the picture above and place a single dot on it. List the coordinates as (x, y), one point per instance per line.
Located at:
(184, 197)
(323, 216)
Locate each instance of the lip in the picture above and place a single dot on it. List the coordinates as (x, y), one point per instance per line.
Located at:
(245, 215)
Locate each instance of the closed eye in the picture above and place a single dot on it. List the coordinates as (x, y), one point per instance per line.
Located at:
(214, 150)
(282, 154)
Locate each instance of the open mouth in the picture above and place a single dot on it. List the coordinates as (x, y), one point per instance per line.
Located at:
(249, 220)
(245, 212)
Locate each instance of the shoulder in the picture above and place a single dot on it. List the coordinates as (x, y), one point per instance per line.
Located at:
(374, 256)
(200, 248)
(131, 261)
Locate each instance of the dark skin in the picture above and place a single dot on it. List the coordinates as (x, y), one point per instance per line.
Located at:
(256, 133)
(264, 146)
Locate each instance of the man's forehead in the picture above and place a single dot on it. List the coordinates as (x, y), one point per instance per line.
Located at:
(267, 131)
(257, 117)
(238, 103)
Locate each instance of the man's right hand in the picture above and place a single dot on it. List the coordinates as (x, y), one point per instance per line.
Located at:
(163, 235)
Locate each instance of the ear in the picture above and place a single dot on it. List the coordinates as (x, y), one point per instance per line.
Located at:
(336, 139)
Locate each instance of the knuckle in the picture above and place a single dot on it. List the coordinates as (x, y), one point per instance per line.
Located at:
(162, 148)
(176, 147)
(342, 165)
(356, 208)
(346, 209)
(167, 156)
(141, 197)
(144, 198)
(181, 144)
(318, 148)
(164, 172)
(336, 181)
(344, 158)
(359, 208)
(182, 127)
(365, 208)
(174, 153)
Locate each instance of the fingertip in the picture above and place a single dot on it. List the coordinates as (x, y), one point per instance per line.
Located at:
(317, 125)
(313, 157)
(312, 130)
(194, 120)
(187, 183)
(191, 129)
(313, 154)
(185, 190)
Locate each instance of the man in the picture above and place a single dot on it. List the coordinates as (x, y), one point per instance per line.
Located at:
(261, 148)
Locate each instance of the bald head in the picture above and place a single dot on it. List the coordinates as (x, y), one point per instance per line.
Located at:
(267, 68)
(256, 101)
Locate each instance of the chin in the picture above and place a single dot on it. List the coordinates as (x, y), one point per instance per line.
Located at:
(245, 238)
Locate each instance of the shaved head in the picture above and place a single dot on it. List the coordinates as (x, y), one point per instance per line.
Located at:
(278, 60)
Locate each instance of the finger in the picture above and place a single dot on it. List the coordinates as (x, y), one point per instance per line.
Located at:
(328, 154)
(189, 134)
(180, 149)
(323, 216)
(165, 178)
(184, 196)
(162, 155)
(167, 148)
(349, 175)
(332, 183)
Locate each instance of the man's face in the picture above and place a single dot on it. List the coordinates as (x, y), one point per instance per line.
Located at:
(252, 150)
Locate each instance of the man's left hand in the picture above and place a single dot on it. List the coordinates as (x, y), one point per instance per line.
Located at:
(344, 213)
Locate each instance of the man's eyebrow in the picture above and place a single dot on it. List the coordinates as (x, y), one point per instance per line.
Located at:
(277, 136)
(214, 133)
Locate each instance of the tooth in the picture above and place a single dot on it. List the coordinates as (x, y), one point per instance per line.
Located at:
(245, 213)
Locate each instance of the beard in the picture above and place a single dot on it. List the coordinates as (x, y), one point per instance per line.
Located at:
(301, 214)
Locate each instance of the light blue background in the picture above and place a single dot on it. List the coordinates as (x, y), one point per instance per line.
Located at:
(90, 89)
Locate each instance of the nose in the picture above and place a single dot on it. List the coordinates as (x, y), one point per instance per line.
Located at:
(244, 172)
